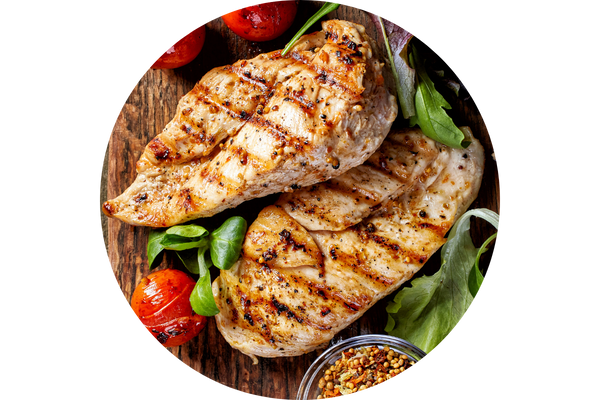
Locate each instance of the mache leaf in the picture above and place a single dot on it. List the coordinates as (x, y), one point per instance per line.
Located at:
(198, 251)
(154, 247)
(226, 242)
(188, 231)
(201, 298)
(196, 260)
(428, 310)
(179, 243)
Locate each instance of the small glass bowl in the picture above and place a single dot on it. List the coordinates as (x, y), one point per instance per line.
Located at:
(309, 387)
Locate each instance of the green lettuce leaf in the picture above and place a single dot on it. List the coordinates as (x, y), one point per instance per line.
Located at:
(154, 247)
(188, 231)
(475, 276)
(428, 310)
(199, 250)
(226, 242)
(201, 298)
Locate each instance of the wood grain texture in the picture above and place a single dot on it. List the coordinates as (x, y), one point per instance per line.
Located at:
(149, 108)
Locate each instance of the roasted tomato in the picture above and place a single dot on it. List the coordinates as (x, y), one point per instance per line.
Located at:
(183, 51)
(262, 22)
(162, 302)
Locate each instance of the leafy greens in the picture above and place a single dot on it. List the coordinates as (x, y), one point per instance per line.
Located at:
(419, 101)
(396, 43)
(426, 312)
(430, 105)
(198, 250)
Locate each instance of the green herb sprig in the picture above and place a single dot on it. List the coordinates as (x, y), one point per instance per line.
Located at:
(324, 10)
(198, 250)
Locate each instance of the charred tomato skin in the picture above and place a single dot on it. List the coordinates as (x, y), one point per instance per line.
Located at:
(161, 302)
(182, 52)
(262, 22)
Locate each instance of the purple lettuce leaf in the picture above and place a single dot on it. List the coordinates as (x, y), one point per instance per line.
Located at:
(396, 43)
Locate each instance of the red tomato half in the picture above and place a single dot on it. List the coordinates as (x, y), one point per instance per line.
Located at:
(162, 302)
(183, 51)
(262, 22)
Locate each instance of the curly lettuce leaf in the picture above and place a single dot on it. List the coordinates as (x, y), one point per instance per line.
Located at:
(426, 312)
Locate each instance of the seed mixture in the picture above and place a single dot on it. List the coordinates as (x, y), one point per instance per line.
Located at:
(361, 368)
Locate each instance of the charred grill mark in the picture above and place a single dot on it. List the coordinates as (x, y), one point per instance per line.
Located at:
(253, 306)
(327, 77)
(260, 122)
(284, 138)
(297, 97)
(141, 198)
(252, 81)
(109, 208)
(358, 193)
(389, 164)
(346, 57)
(187, 200)
(393, 249)
(159, 150)
(241, 153)
(275, 306)
(352, 306)
(439, 230)
(284, 309)
(254, 321)
(249, 319)
(331, 297)
(286, 237)
(269, 255)
(215, 105)
(356, 264)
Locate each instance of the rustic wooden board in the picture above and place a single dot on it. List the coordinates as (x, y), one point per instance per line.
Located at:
(148, 109)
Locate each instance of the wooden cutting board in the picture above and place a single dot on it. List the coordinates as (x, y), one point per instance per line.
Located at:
(149, 108)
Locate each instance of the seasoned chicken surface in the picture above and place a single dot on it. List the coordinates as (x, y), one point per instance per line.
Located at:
(272, 309)
(261, 126)
(345, 200)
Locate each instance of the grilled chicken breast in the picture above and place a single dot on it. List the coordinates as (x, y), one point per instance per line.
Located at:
(345, 200)
(261, 126)
(279, 300)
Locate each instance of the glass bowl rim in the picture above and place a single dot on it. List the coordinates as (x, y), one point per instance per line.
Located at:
(356, 341)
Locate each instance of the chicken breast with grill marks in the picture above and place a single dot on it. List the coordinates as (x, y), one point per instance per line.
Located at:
(262, 126)
(272, 309)
(345, 200)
